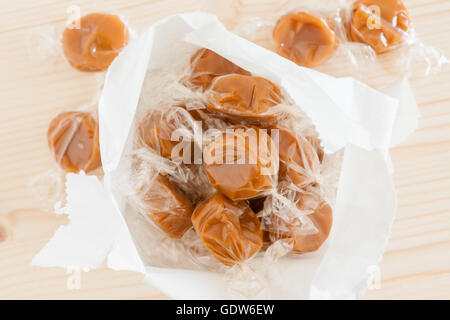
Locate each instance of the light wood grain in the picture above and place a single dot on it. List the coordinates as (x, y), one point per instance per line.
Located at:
(416, 263)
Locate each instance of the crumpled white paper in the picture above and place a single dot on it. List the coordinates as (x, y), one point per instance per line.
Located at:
(347, 114)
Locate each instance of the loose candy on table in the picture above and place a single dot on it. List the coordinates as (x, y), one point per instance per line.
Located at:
(381, 24)
(95, 43)
(73, 139)
(304, 38)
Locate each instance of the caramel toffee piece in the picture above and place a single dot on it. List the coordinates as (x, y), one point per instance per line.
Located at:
(244, 96)
(167, 207)
(303, 38)
(73, 141)
(229, 230)
(157, 129)
(207, 65)
(242, 164)
(97, 41)
(305, 239)
(383, 33)
(298, 158)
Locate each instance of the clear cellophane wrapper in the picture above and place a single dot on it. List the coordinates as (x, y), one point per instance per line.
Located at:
(168, 95)
(407, 55)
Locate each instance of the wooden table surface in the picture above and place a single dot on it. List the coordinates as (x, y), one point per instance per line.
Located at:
(36, 84)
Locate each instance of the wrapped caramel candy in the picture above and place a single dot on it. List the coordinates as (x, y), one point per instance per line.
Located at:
(207, 65)
(381, 24)
(97, 41)
(242, 163)
(229, 230)
(298, 158)
(167, 207)
(73, 141)
(303, 38)
(157, 129)
(244, 96)
(306, 238)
